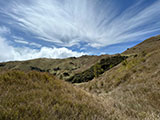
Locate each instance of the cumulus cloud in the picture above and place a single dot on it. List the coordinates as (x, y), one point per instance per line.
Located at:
(97, 23)
(10, 53)
(6, 51)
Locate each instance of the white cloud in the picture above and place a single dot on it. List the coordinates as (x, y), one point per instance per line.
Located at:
(27, 43)
(4, 30)
(21, 41)
(10, 53)
(69, 22)
(35, 44)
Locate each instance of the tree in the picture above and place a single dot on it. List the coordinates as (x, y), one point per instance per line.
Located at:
(97, 70)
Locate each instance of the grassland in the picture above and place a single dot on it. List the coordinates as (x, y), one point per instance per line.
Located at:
(39, 96)
(62, 68)
(131, 89)
(120, 89)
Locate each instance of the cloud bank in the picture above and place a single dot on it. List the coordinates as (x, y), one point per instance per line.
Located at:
(97, 23)
(10, 53)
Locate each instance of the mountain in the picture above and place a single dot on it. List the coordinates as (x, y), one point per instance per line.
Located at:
(111, 87)
(131, 89)
(147, 46)
(62, 68)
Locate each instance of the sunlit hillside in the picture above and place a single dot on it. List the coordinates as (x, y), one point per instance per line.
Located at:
(39, 96)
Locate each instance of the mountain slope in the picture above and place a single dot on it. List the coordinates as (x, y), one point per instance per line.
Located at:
(97, 69)
(62, 68)
(39, 96)
(146, 46)
(131, 89)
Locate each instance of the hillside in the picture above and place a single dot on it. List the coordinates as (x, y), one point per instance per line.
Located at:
(147, 46)
(39, 96)
(62, 68)
(132, 88)
(97, 69)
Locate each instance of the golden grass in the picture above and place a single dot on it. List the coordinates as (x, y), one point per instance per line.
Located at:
(39, 96)
(132, 89)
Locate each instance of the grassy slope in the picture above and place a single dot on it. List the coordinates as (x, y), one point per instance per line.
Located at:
(62, 68)
(132, 89)
(147, 46)
(97, 69)
(38, 96)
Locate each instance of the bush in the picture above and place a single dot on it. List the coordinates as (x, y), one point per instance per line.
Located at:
(97, 69)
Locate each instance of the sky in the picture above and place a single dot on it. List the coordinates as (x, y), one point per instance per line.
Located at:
(32, 29)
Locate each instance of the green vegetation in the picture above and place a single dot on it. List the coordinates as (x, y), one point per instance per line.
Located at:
(62, 68)
(97, 69)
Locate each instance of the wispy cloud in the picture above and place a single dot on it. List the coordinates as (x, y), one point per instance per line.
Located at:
(21, 40)
(35, 44)
(4, 30)
(95, 22)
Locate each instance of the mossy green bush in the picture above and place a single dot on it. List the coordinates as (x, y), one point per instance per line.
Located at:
(97, 69)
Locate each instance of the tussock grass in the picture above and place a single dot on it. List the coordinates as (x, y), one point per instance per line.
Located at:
(131, 89)
(146, 46)
(39, 96)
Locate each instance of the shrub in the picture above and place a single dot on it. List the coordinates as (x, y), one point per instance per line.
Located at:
(97, 69)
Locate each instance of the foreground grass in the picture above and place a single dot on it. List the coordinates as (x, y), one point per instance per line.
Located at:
(39, 96)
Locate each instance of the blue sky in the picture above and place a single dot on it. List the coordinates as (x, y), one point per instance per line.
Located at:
(66, 28)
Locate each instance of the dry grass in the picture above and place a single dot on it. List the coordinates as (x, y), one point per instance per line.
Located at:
(148, 45)
(132, 89)
(39, 96)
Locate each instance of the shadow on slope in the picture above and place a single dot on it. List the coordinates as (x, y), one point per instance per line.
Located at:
(97, 69)
(62, 68)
